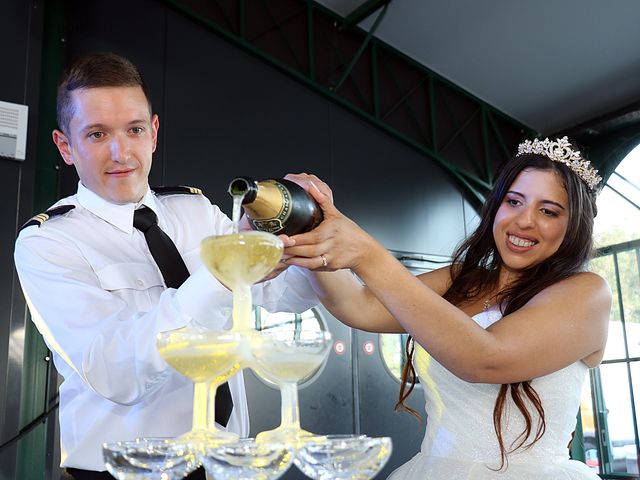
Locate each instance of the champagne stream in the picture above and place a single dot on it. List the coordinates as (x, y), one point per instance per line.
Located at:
(235, 216)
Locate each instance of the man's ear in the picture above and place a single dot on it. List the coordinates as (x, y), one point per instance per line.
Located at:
(61, 141)
(155, 125)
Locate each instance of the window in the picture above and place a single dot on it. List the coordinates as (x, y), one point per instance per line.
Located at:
(392, 348)
(611, 402)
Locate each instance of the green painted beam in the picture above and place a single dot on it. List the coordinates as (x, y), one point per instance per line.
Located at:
(358, 54)
(362, 12)
(32, 448)
(317, 28)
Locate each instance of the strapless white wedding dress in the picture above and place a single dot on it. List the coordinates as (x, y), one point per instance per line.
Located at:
(460, 442)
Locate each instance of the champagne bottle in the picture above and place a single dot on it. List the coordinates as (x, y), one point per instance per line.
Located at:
(277, 206)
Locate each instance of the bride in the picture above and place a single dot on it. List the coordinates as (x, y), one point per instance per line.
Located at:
(503, 338)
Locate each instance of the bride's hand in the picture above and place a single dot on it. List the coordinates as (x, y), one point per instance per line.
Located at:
(306, 180)
(336, 243)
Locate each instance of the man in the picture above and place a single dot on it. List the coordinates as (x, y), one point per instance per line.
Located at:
(94, 286)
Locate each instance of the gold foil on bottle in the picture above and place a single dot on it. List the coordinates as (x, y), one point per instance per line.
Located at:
(271, 208)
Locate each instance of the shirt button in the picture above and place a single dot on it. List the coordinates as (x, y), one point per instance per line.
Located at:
(140, 283)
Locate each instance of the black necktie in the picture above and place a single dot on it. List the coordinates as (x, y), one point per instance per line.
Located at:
(175, 272)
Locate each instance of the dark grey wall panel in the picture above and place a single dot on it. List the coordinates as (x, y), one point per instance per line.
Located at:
(134, 29)
(228, 115)
(404, 200)
(14, 33)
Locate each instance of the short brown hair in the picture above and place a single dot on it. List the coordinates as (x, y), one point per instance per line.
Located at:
(93, 71)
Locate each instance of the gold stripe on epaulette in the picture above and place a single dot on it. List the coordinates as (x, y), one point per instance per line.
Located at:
(40, 218)
(195, 190)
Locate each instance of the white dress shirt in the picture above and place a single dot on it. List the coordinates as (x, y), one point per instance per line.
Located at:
(98, 298)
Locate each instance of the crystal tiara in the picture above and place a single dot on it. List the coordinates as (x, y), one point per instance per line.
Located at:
(560, 151)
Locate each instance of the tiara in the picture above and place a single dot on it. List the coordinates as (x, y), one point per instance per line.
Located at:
(560, 151)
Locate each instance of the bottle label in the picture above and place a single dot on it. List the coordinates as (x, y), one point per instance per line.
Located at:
(275, 224)
(272, 225)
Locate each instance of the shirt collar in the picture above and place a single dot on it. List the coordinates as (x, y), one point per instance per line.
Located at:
(120, 216)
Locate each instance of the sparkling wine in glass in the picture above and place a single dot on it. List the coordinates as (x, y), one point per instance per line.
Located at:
(285, 358)
(207, 358)
(238, 261)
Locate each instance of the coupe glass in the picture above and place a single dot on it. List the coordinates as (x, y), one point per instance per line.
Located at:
(238, 261)
(352, 457)
(285, 357)
(208, 358)
(246, 460)
(148, 458)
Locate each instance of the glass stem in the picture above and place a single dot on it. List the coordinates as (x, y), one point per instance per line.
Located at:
(211, 411)
(200, 393)
(242, 308)
(290, 411)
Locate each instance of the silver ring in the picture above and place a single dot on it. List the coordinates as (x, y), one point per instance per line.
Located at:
(324, 260)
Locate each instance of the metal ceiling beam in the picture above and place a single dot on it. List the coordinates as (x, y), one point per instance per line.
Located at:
(608, 139)
(469, 138)
(358, 54)
(620, 194)
(363, 11)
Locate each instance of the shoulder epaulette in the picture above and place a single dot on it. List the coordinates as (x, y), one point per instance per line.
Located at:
(43, 217)
(176, 190)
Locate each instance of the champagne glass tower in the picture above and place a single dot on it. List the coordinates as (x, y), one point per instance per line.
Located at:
(209, 358)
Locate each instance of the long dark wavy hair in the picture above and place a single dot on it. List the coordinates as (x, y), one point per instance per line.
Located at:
(476, 266)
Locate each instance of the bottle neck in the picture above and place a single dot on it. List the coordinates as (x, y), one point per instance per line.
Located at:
(245, 187)
(272, 200)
